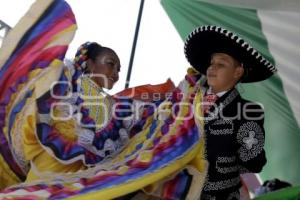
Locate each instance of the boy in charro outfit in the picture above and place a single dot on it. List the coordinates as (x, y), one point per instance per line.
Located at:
(233, 126)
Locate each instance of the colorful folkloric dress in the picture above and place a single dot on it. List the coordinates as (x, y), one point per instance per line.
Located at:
(65, 143)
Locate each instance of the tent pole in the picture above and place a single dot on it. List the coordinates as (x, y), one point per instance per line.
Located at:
(134, 43)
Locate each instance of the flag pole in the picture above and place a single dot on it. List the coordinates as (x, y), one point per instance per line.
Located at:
(5, 27)
(134, 43)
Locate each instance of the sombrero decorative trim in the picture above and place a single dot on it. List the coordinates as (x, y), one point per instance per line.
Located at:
(206, 40)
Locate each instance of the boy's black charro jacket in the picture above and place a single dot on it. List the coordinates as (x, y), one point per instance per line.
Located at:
(234, 143)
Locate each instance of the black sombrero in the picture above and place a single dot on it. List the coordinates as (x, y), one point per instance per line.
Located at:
(206, 40)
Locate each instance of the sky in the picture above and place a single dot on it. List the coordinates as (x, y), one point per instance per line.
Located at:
(159, 52)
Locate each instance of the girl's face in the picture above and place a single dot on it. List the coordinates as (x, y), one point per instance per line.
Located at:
(105, 69)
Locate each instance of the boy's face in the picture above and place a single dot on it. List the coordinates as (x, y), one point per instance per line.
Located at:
(223, 72)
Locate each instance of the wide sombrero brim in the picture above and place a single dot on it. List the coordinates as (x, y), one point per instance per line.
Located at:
(206, 40)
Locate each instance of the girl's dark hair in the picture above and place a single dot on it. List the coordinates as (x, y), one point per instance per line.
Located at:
(94, 50)
(88, 50)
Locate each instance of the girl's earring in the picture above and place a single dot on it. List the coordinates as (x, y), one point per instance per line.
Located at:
(90, 74)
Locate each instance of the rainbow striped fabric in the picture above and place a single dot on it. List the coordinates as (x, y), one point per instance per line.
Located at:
(36, 46)
(164, 156)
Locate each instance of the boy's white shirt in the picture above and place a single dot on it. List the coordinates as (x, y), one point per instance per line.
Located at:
(219, 94)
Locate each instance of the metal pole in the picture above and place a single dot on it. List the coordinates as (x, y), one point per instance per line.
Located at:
(4, 26)
(136, 34)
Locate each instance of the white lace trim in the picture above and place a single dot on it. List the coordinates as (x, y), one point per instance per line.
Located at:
(86, 138)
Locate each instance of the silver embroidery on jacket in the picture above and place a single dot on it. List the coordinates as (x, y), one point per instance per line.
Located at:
(222, 131)
(214, 114)
(251, 138)
(225, 170)
(220, 185)
(234, 93)
(234, 195)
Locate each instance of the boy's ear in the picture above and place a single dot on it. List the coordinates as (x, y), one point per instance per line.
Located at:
(239, 72)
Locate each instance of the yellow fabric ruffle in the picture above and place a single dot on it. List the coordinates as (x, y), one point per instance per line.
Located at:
(7, 177)
(43, 159)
